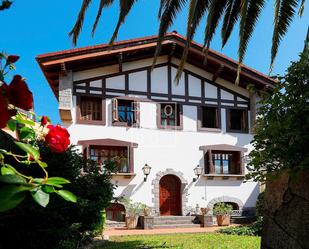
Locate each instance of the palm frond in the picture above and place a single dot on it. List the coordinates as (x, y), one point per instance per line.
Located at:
(216, 9)
(79, 22)
(103, 4)
(250, 13)
(169, 10)
(162, 6)
(230, 18)
(301, 8)
(284, 13)
(197, 9)
(125, 7)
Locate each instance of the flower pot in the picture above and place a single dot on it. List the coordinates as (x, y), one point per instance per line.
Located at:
(131, 222)
(223, 220)
(147, 211)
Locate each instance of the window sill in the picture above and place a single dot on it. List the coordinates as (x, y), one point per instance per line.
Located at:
(90, 122)
(208, 129)
(224, 177)
(124, 175)
(237, 131)
(177, 128)
(124, 124)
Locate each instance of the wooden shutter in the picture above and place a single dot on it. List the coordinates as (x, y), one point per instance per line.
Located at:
(209, 164)
(136, 111)
(115, 109)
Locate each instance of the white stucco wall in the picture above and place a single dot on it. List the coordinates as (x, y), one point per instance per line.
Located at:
(163, 149)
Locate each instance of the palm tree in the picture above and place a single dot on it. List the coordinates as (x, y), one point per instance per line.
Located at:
(247, 12)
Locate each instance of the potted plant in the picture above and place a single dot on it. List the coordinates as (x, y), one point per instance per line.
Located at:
(222, 211)
(133, 210)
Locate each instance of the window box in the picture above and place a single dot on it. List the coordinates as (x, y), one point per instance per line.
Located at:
(237, 120)
(125, 112)
(209, 119)
(169, 116)
(90, 110)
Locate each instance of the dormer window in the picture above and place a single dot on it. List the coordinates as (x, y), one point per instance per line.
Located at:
(125, 112)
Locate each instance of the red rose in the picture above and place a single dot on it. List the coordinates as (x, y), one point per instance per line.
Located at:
(44, 120)
(12, 59)
(4, 112)
(57, 138)
(19, 94)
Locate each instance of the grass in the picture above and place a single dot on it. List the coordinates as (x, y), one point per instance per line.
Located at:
(183, 241)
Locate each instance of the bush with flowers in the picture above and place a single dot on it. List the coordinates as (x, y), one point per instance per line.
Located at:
(24, 176)
(15, 99)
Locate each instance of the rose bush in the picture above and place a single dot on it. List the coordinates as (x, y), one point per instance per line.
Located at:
(14, 183)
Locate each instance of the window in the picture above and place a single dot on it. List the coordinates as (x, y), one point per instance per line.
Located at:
(223, 160)
(226, 162)
(125, 112)
(117, 153)
(169, 115)
(237, 120)
(209, 117)
(90, 110)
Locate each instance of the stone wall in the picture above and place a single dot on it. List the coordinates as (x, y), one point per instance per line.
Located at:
(286, 214)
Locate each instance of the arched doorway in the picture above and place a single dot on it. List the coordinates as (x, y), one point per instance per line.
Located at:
(115, 212)
(170, 195)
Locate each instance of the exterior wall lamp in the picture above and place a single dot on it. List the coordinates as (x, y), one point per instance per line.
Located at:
(146, 170)
(197, 171)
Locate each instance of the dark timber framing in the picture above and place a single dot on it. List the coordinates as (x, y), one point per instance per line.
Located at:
(168, 97)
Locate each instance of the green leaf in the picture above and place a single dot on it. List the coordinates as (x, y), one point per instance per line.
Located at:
(40, 197)
(29, 149)
(11, 196)
(48, 189)
(57, 181)
(67, 195)
(7, 171)
(42, 164)
(12, 179)
(21, 120)
(11, 124)
(26, 132)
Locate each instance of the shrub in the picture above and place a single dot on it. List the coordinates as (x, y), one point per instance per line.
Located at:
(222, 208)
(254, 229)
(259, 206)
(61, 224)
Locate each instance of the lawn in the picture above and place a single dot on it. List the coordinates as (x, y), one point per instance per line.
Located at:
(182, 241)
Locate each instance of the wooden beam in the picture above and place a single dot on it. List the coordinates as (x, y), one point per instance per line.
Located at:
(63, 70)
(120, 58)
(172, 52)
(217, 73)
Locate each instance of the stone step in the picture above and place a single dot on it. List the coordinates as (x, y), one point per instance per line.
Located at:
(172, 222)
(114, 224)
(175, 225)
(177, 218)
(242, 219)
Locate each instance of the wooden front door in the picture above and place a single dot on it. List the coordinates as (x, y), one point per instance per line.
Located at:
(170, 195)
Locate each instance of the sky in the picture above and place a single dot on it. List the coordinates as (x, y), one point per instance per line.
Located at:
(34, 27)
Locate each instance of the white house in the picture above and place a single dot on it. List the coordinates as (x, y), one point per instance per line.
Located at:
(114, 104)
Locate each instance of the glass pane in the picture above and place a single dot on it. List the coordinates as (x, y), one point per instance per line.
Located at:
(209, 117)
(225, 166)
